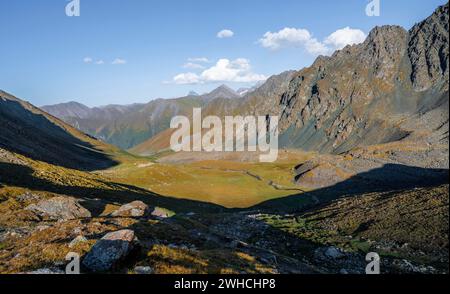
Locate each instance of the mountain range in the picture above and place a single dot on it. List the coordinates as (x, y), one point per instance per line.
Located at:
(364, 169)
(370, 93)
(128, 126)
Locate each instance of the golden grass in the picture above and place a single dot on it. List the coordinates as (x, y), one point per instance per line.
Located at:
(166, 260)
(231, 184)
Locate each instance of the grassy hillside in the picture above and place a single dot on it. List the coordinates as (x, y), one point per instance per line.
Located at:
(29, 131)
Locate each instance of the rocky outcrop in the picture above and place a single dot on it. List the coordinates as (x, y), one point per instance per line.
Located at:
(133, 209)
(428, 51)
(110, 250)
(143, 270)
(59, 208)
(77, 240)
(360, 95)
(161, 212)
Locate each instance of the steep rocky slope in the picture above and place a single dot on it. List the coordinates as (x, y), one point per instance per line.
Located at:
(29, 131)
(362, 94)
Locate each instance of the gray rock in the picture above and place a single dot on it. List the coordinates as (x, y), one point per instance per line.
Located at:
(27, 196)
(76, 241)
(110, 250)
(46, 271)
(343, 272)
(41, 228)
(59, 208)
(143, 270)
(160, 212)
(333, 252)
(133, 209)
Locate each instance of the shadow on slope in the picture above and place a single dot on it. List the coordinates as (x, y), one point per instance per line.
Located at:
(390, 177)
(34, 135)
(96, 199)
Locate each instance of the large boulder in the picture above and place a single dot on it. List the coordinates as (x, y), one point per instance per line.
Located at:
(59, 208)
(161, 212)
(133, 209)
(110, 250)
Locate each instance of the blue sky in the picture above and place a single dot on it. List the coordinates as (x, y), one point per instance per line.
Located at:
(47, 57)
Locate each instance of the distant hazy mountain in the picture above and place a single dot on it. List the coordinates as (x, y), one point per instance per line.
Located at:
(259, 101)
(128, 126)
(193, 93)
(221, 92)
(27, 130)
(244, 91)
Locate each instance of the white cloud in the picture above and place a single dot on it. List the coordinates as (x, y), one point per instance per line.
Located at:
(293, 37)
(225, 34)
(87, 60)
(192, 65)
(199, 59)
(343, 37)
(238, 70)
(119, 61)
(186, 78)
(100, 62)
(224, 70)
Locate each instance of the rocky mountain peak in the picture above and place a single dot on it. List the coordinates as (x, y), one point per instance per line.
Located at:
(193, 93)
(341, 101)
(222, 92)
(428, 51)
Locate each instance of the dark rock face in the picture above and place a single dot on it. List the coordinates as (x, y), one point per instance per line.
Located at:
(428, 51)
(360, 94)
(109, 251)
(28, 131)
(60, 208)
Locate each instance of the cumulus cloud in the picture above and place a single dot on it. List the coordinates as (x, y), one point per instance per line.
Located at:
(87, 60)
(198, 59)
(225, 70)
(119, 61)
(294, 37)
(343, 37)
(192, 65)
(225, 34)
(186, 79)
(100, 62)
(238, 70)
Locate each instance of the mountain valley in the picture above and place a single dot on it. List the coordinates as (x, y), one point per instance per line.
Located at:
(363, 167)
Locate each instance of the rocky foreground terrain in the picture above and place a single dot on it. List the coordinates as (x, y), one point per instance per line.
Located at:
(47, 212)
